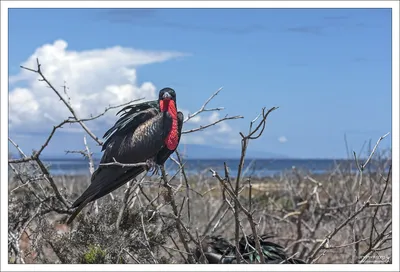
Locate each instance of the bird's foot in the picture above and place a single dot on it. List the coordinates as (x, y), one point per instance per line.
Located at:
(152, 167)
(151, 164)
(157, 170)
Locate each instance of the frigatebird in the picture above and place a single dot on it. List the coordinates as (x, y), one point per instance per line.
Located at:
(146, 132)
(217, 250)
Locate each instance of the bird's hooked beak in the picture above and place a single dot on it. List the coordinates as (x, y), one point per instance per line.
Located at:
(167, 96)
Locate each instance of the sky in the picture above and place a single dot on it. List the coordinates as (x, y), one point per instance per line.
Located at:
(328, 70)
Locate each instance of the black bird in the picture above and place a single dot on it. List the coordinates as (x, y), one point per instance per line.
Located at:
(146, 132)
(217, 250)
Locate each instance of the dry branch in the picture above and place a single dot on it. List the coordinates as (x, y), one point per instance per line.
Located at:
(43, 78)
(179, 223)
(234, 192)
(335, 231)
(204, 109)
(297, 206)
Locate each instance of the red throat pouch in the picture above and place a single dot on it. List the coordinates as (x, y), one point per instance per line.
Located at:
(171, 141)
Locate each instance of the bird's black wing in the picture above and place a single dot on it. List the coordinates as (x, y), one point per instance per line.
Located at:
(132, 146)
(273, 253)
(216, 249)
(132, 116)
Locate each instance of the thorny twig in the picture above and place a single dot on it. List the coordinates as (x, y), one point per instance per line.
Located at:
(338, 212)
(43, 78)
(14, 242)
(335, 231)
(212, 124)
(145, 234)
(246, 212)
(379, 204)
(35, 157)
(235, 193)
(179, 223)
(204, 109)
(362, 166)
(186, 182)
(124, 164)
(89, 155)
(44, 170)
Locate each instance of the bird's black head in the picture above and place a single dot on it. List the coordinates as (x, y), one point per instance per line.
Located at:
(167, 94)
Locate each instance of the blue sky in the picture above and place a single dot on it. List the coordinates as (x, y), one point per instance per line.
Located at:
(329, 71)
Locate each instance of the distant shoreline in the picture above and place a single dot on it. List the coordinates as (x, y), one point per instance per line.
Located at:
(70, 158)
(256, 168)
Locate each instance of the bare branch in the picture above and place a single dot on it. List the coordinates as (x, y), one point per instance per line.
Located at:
(335, 231)
(89, 155)
(44, 170)
(203, 107)
(82, 152)
(50, 179)
(15, 244)
(361, 167)
(176, 214)
(124, 164)
(217, 212)
(145, 236)
(186, 182)
(17, 147)
(83, 125)
(72, 120)
(36, 154)
(246, 212)
(130, 188)
(29, 221)
(212, 124)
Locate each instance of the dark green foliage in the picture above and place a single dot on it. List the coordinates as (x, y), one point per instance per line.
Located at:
(273, 253)
(218, 250)
(95, 255)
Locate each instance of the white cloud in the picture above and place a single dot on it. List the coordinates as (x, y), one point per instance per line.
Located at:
(221, 133)
(193, 139)
(282, 139)
(96, 78)
(23, 106)
(222, 127)
(213, 117)
(194, 120)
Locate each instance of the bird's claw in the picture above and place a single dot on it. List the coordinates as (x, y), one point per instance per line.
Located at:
(152, 166)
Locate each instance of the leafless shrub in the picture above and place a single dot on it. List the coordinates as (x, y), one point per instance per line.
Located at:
(338, 217)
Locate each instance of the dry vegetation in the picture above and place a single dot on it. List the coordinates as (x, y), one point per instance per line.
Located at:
(340, 217)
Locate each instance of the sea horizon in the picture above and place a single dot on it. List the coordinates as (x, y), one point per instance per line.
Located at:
(256, 167)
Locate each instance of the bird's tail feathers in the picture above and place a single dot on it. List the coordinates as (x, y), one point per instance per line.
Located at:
(104, 182)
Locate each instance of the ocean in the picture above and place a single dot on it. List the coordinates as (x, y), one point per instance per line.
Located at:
(254, 168)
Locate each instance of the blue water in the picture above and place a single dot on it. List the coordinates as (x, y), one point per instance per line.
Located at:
(255, 168)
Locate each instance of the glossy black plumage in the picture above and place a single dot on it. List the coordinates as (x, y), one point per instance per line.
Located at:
(218, 250)
(137, 136)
